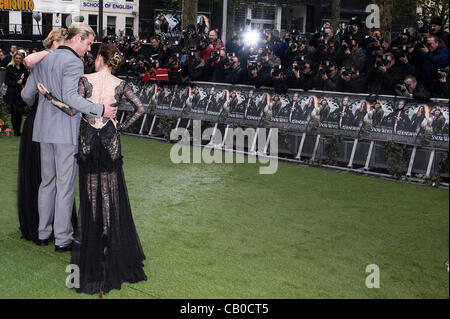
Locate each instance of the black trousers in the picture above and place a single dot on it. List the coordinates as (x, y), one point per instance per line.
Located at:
(16, 118)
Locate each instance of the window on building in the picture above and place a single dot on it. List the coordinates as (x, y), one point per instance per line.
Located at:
(264, 12)
(129, 26)
(111, 25)
(92, 21)
(297, 23)
(4, 22)
(27, 23)
(65, 20)
(47, 23)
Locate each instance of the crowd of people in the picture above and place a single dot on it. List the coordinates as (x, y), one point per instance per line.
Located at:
(413, 63)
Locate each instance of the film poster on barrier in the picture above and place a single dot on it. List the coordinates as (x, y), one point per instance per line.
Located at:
(385, 118)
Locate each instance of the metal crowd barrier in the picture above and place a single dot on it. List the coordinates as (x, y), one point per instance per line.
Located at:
(354, 154)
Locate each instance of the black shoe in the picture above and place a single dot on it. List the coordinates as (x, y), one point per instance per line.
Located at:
(62, 249)
(44, 242)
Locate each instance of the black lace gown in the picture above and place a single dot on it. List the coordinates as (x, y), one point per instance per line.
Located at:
(106, 245)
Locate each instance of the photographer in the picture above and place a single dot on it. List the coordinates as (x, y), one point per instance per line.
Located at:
(166, 51)
(214, 68)
(233, 71)
(301, 75)
(189, 39)
(214, 45)
(412, 88)
(279, 80)
(351, 81)
(327, 77)
(297, 47)
(374, 46)
(328, 50)
(437, 30)
(156, 48)
(402, 55)
(439, 88)
(432, 57)
(194, 66)
(270, 58)
(89, 65)
(175, 68)
(355, 30)
(134, 49)
(353, 54)
(257, 74)
(270, 40)
(384, 75)
(324, 33)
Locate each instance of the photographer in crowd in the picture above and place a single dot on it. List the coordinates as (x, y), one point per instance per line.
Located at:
(215, 44)
(437, 30)
(439, 88)
(384, 75)
(194, 66)
(327, 77)
(432, 56)
(351, 81)
(412, 88)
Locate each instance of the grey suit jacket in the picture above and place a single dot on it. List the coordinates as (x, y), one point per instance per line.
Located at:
(59, 72)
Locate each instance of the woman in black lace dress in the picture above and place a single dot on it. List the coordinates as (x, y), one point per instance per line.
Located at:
(106, 246)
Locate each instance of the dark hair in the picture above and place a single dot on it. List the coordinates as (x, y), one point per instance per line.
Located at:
(111, 55)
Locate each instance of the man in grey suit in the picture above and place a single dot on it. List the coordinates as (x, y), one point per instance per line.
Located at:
(58, 132)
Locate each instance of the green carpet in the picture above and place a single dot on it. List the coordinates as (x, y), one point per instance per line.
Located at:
(225, 231)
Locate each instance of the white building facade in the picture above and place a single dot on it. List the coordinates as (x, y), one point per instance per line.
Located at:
(39, 17)
(120, 17)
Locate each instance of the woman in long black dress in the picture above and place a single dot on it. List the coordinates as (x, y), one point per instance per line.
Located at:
(15, 77)
(29, 154)
(106, 246)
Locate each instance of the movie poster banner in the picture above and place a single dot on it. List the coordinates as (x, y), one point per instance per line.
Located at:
(385, 118)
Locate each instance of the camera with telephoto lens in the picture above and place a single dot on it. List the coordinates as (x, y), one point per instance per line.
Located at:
(420, 43)
(441, 74)
(277, 71)
(400, 51)
(325, 67)
(403, 37)
(401, 90)
(321, 32)
(153, 59)
(424, 27)
(301, 61)
(215, 54)
(323, 44)
(229, 60)
(371, 39)
(204, 42)
(381, 61)
(165, 41)
(347, 71)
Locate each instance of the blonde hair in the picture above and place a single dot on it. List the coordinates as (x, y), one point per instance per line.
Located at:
(13, 62)
(80, 28)
(55, 35)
